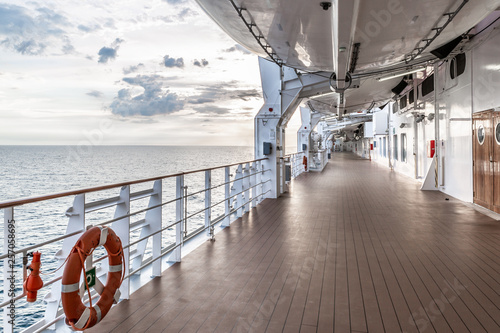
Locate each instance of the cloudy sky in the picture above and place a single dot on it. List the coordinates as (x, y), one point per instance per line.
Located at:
(122, 72)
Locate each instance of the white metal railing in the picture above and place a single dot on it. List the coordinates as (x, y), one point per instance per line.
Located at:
(320, 160)
(295, 161)
(155, 219)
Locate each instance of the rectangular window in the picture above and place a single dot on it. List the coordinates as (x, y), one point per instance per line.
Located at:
(428, 85)
(403, 147)
(395, 146)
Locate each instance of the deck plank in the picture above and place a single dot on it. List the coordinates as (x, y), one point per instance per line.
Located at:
(346, 250)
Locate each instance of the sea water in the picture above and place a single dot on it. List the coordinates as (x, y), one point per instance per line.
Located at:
(27, 171)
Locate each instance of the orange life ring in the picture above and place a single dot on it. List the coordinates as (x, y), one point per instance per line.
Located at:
(304, 161)
(77, 314)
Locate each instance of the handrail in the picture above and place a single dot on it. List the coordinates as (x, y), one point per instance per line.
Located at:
(19, 202)
(297, 153)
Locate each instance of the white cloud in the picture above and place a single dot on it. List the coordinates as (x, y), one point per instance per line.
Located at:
(133, 68)
(30, 32)
(109, 53)
(172, 62)
(200, 63)
(95, 93)
(237, 48)
(153, 101)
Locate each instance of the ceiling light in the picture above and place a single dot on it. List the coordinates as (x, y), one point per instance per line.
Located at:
(392, 76)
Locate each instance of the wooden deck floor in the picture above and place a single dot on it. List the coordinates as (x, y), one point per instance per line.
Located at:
(356, 248)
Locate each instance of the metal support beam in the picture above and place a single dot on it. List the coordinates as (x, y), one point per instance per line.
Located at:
(283, 91)
(122, 230)
(208, 204)
(76, 215)
(227, 201)
(179, 218)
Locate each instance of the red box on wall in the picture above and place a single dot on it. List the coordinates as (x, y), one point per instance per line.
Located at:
(431, 148)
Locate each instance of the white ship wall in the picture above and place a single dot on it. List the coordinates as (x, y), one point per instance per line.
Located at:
(477, 89)
(455, 130)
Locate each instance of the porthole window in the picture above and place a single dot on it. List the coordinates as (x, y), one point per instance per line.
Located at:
(480, 134)
(497, 133)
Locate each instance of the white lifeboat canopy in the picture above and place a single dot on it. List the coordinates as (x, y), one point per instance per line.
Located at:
(366, 46)
(303, 35)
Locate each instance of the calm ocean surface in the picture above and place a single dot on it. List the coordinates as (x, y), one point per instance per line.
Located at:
(36, 170)
(28, 171)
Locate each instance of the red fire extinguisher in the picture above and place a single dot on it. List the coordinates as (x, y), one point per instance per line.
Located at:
(33, 283)
(304, 161)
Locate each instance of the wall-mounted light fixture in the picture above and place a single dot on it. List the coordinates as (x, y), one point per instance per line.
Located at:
(325, 5)
(419, 118)
(392, 76)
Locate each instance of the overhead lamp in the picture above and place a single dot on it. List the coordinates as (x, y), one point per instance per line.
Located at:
(385, 78)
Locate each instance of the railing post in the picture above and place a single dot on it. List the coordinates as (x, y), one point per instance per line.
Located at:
(299, 166)
(179, 218)
(9, 228)
(293, 161)
(208, 203)
(246, 187)
(185, 230)
(302, 167)
(258, 171)
(296, 172)
(282, 185)
(154, 220)
(253, 183)
(227, 193)
(238, 188)
(152, 223)
(76, 215)
(270, 178)
(122, 230)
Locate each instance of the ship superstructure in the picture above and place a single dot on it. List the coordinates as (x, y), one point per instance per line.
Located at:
(399, 82)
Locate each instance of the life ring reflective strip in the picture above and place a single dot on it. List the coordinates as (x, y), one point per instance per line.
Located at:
(77, 314)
